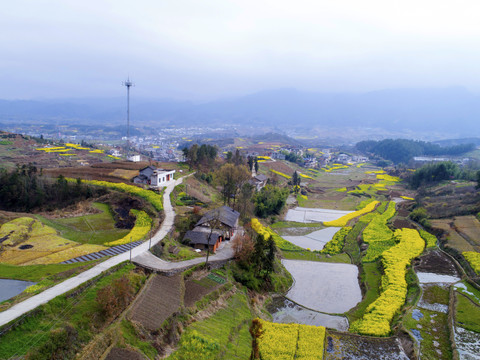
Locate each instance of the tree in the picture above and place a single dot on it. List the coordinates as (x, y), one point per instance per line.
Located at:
(231, 178)
(250, 162)
(256, 165)
(478, 179)
(270, 200)
(296, 182)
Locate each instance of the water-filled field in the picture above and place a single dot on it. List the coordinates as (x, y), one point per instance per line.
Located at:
(286, 311)
(312, 215)
(327, 287)
(10, 288)
(315, 240)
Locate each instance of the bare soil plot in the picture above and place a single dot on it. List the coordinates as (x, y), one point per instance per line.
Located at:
(453, 238)
(468, 226)
(326, 287)
(353, 347)
(197, 289)
(437, 262)
(158, 302)
(310, 215)
(315, 240)
(124, 354)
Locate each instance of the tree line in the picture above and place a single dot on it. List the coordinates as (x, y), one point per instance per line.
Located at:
(25, 189)
(403, 150)
(447, 170)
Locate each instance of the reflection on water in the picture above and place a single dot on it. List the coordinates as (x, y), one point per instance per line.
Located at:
(286, 311)
(10, 288)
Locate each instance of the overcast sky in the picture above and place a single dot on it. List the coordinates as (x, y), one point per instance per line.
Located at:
(206, 49)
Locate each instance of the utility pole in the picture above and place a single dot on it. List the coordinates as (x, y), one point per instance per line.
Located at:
(128, 84)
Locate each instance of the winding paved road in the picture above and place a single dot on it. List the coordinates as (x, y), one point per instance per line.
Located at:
(140, 253)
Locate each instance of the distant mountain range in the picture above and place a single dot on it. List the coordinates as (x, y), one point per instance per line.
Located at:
(447, 110)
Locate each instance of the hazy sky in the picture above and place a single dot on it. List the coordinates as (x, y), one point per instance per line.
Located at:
(204, 49)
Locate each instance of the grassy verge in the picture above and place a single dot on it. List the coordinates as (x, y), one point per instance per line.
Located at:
(88, 229)
(289, 224)
(371, 278)
(59, 328)
(224, 335)
(313, 256)
(40, 272)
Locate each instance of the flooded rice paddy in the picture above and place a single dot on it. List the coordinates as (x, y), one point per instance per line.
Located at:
(315, 240)
(286, 311)
(326, 287)
(314, 215)
(10, 288)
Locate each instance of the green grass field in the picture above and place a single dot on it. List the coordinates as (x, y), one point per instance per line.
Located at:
(312, 256)
(88, 229)
(467, 313)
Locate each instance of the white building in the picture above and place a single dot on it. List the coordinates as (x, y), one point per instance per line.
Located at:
(161, 177)
(154, 177)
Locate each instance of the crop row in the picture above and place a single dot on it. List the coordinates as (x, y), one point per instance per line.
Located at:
(291, 341)
(143, 224)
(152, 197)
(473, 259)
(346, 218)
(379, 314)
(377, 234)
(267, 233)
(430, 239)
(281, 174)
(335, 246)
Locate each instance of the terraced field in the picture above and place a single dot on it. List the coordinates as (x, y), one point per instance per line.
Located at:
(161, 298)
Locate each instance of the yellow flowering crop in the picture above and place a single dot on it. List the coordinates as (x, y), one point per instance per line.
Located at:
(305, 176)
(264, 157)
(379, 314)
(407, 198)
(291, 341)
(335, 246)
(346, 218)
(281, 174)
(375, 172)
(149, 195)
(473, 259)
(387, 177)
(430, 239)
(96, 151)
(114, 157)
(143, 223)
(267, 233)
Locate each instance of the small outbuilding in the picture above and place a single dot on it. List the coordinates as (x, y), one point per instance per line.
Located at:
(202, 238)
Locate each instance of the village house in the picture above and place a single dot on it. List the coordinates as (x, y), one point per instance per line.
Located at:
(278, 156)
(259, 181)
(214, 227)
(152, 176)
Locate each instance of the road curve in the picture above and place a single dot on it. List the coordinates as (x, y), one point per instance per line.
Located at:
(69, 284)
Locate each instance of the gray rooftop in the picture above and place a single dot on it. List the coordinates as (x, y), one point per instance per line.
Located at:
(200, 235)
(225, 214)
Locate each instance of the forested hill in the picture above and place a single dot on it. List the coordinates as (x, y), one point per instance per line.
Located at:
(403, 150)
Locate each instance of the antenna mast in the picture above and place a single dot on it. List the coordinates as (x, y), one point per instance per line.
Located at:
(128, 84)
